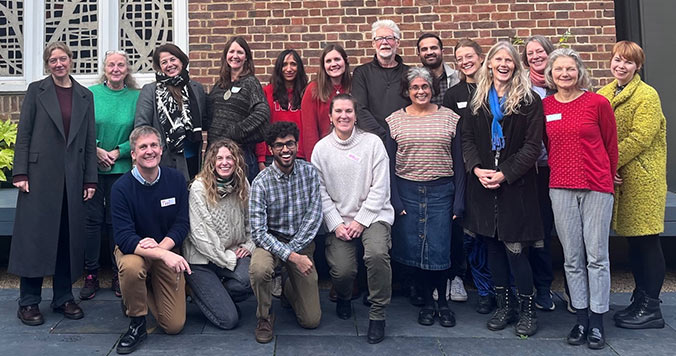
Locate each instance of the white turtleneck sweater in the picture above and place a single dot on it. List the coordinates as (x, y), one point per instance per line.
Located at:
(355, 179)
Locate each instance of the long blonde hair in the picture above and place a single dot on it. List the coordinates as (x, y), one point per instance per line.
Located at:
(518, 89)
(208, 173)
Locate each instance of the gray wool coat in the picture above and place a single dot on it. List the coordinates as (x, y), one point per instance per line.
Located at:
(52, 164)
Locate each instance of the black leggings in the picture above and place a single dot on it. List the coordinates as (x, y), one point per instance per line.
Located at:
(501, 261)
(432, 280)
(647, 263)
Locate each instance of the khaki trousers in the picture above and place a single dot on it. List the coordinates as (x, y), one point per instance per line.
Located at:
(151, 284)
(342, 259)
(300, 290)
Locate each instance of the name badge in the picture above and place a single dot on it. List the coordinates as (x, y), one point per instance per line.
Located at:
(553, 117)
(167, 202)
(235, 90)
(353, 157)
(462, 105)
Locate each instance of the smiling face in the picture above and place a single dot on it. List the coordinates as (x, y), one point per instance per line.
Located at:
(430, 53)
(502, 67)
(289, 68)
(343, 117)
(536, 57)
(147, 152)
(225, 163)
(59, 64)
(116, 70)
(565, 73)
(284, 151)
(622, 69)
(468, 61)
(386, 45)
(334, 64)
(420, 91)
(235, 57)
(170, 65)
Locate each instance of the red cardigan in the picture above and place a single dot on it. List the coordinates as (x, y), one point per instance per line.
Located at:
(581, 138)
(279, 114)
(315, 117)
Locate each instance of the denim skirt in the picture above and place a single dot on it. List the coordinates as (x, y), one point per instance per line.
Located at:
(422, 237)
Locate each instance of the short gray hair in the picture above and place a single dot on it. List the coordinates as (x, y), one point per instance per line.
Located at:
(417, 72)
(583, 81)
(143, 131)
(387, 24)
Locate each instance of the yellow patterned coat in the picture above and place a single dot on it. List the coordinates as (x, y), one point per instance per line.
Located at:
(642, 144)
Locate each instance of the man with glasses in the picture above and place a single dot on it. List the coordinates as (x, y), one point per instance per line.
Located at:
(431, 53)
(377, 85)
(285, 212)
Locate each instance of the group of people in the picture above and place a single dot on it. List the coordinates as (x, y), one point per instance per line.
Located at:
(427, 166)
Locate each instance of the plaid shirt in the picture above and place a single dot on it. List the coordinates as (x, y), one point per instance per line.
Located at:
(285, 205)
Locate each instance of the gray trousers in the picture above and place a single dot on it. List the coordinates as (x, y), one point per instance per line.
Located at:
(582, 220)
(342, 259)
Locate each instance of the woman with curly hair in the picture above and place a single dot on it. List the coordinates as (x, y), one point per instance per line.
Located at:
(219, 245)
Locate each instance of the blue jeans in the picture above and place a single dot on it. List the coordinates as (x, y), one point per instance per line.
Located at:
(215, 290)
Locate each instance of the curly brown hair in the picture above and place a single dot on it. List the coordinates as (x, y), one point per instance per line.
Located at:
(208, 173)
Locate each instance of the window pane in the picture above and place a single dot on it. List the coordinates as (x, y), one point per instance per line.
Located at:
(76, 23)
(11, 38)
(144, 25)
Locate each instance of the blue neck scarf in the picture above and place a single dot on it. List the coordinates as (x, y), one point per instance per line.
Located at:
(495, 104)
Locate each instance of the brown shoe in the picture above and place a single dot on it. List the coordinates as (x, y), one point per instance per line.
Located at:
(70, 310)
(30, 315)
(264, 329)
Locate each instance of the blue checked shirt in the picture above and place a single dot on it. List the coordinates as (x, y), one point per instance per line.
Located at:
(289, 205)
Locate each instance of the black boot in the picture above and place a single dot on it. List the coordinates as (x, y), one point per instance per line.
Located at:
(343, 309)
(486, 304)
(636, 298)
(376, 331)
(506, 312)
(646, 315)
(528, 322)
(132, 339)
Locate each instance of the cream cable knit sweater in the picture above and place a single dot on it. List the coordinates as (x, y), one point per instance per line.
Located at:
(216, 232)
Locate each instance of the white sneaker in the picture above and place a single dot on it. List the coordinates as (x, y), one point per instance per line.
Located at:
(435, 295)
(458, 292)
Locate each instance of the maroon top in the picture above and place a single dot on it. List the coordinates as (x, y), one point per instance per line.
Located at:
(65, 96)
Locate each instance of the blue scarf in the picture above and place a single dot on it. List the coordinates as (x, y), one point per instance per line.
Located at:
(495, 104)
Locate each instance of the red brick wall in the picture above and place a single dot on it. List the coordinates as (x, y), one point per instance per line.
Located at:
(272, 25)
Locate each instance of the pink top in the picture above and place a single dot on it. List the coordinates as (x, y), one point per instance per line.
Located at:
(581, 138)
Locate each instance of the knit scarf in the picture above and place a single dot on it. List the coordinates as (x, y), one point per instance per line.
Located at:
(175, 121)
(495, 104)
(224, 186)
(537, 79)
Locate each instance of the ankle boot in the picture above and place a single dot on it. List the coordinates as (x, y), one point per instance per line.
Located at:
(646, 315)
(506, 310)
(134, 336)
(528, 323)
(636, 298)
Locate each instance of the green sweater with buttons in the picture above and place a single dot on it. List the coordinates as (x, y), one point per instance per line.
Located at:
(114, 111)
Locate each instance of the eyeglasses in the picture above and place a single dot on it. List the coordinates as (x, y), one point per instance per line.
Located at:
(291, 144)
(415, 88)
(389, 39)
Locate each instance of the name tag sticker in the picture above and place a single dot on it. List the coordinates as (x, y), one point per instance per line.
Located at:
(462, 105)
(553, 117)
(354, 157)
(167, 202)
(235, 90)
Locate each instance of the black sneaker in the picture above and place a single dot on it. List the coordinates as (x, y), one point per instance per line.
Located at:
(134, 336)
(91, 285)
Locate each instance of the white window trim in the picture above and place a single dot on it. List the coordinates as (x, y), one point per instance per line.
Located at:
(34, 34)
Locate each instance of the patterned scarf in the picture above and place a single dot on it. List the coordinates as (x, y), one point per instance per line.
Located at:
(224, 186)
(495, 104)
(175, 121)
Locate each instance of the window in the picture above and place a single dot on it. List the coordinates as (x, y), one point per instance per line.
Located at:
(90, 28)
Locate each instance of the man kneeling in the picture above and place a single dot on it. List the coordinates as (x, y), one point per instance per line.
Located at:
(285, 212)
(150, 222)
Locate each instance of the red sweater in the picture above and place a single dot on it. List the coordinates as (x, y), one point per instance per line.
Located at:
(315, 117)
(279, 114)
(581, 138)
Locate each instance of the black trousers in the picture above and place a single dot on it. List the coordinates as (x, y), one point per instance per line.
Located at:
(501, 261)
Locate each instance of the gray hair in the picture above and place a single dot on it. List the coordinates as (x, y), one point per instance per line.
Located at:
(583, 81)
(417, 72)
(129, 79)
(542, 40)
(386, 24)
(143, 131)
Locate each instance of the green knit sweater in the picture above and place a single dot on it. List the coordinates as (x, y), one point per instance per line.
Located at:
(114, 110)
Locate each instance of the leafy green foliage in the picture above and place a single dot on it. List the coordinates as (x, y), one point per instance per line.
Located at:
(8, 132)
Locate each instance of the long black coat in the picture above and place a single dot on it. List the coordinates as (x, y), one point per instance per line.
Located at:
(511, 210)
(52, 164)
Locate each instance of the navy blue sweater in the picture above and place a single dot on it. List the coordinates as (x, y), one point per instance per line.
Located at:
(156, 211)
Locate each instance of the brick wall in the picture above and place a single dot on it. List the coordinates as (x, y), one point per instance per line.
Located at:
(273, 25)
